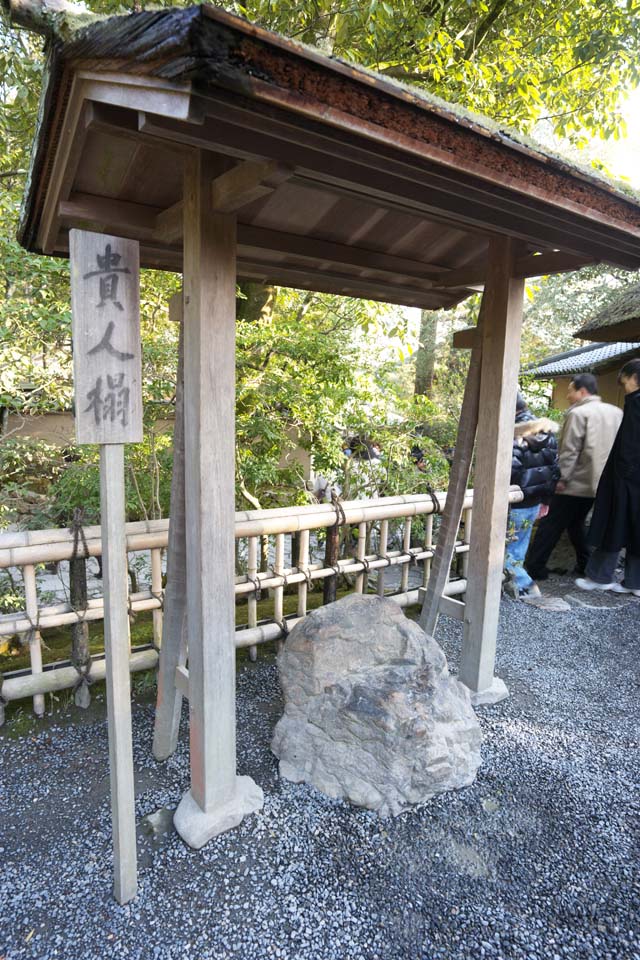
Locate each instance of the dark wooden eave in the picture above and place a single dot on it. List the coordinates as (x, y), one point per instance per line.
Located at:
(341, 180)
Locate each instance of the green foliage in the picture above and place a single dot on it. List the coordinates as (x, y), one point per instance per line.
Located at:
(311, 370)
(515, 62)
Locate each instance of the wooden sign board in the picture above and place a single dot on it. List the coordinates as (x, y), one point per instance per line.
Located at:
(107, 367)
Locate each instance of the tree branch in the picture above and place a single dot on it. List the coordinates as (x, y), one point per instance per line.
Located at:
(42, 16)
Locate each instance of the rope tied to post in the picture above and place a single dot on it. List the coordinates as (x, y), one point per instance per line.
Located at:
(284, 626)
(437, 506)
(84, 674)
(79, 537)
(30, 635)
(257, 586)
(336, 503)
(159, 597)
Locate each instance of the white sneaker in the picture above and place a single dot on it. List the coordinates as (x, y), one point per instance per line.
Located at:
(636, 593)
(584, 583)
(618, 588)
(530, 592)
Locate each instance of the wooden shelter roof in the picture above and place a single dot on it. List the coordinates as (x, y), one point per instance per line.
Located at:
(621, 318)
(342, 181)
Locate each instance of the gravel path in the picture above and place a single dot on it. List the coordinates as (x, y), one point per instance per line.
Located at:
(535, 861)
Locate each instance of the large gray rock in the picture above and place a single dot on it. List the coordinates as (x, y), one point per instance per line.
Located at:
(371, 712)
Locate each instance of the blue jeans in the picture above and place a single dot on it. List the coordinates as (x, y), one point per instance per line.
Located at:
(519, 529)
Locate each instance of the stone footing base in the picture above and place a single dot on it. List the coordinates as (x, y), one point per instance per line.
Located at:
(494, 694)
(197, 827)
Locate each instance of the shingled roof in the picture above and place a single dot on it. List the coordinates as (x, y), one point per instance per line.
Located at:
(587, 359)
(621, 318)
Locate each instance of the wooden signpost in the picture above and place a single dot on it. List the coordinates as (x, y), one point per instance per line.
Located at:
(108, 411)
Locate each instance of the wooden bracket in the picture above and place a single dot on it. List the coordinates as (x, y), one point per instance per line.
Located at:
(230, 191)
(245, 183)
(465, 339)
(451, 608)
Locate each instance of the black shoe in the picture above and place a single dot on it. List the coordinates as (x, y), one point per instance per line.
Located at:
(538, 574)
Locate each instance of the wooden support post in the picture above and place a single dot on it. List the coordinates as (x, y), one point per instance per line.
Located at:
(173, 651)
(458, 480)
(218, 799)
(116, 635)
(502, 326)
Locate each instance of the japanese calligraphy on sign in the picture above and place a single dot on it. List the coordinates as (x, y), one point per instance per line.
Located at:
(105, 301)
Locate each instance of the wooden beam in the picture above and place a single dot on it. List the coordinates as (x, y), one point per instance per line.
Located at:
(457, 489)
(502, 325)
(169, 224)
(465, 339)
(245, 183)
(104, 214)
(452, 608)
(532, 265)
(76, 126)
(334, 164)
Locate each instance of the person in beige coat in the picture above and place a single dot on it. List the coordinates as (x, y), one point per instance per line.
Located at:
(588, 432)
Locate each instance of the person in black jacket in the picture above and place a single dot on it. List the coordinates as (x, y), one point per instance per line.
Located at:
(534, 468)
(616, 512)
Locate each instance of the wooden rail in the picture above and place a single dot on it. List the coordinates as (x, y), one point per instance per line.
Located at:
(25, 550)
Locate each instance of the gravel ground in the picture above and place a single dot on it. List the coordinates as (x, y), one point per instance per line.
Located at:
(535, 860)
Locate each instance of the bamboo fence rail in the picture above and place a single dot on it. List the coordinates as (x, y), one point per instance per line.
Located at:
(25, 550)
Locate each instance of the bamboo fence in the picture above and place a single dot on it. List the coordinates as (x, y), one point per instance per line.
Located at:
(25, 550)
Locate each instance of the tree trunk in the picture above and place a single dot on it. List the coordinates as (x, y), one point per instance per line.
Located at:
(426, 354)
(257, 303)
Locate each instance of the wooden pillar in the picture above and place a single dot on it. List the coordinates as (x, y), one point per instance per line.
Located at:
(173, 650)
(457, 489)
(502, 324)
(218, 799)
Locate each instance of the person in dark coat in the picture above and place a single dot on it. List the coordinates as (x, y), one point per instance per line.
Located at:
(534, 468)
(616, 513)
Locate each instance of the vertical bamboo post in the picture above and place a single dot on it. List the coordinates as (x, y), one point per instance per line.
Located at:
(503, 298)
(360, 555)
(428, 545)
(80, 655)
(278, 593)
(218, 798)
(382, 552)
(252, 600)
(156, 589)
(330, 585)
(35, 649)
(116, 637)
(467, 519)
(406, 547)
(303, 567)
